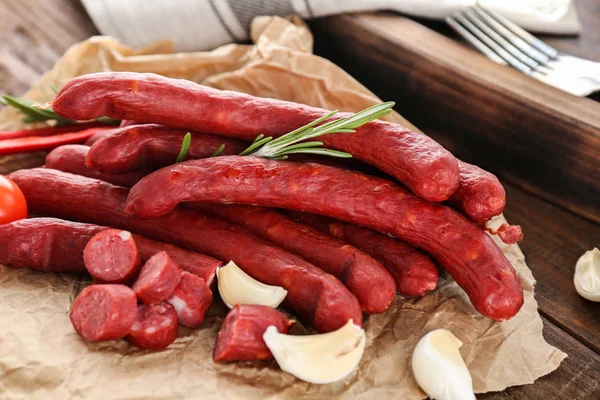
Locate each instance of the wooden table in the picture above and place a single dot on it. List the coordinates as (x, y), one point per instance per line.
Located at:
(35, 33)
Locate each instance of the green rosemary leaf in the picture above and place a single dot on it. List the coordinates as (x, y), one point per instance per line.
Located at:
(218, 151)
(318, 151)
(185, 146)
(256, 145)
(54, 88)
(258, 138)
(108, 121)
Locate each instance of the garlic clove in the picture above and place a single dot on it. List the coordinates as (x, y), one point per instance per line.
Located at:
(587, 275)
(237, 287)
(439, 368)
(323, 358)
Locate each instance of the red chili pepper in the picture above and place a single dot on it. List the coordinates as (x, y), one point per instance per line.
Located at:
(40, 143)
(51, 130)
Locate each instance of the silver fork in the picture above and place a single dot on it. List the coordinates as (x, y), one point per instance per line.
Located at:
(505, 43)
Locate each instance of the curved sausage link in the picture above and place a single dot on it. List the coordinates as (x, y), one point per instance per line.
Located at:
(314, 295)
(149, 147)
(414, 159)
(414, 272)
(359, 272)
(461, 247)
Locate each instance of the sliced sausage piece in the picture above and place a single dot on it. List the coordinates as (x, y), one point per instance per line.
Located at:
(414, 272)
(155, 326)
(111, 256)
(104, 312)
(192, 299)
(241, 336)
(149, 147)
(157, 280)
(46, 244)
(461, 247)
(71, 158)
(56, 245)
(359, 272)
(411, 157)
(315, 296)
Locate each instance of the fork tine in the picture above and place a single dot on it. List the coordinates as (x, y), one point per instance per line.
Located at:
(518, 54)
(478, 44)
(514, 62)
(511, 37)
(526, 36)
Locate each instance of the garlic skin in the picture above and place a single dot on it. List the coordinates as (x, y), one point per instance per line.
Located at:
(237, 287)
(587, 275)
(439, 368)
(320, 359)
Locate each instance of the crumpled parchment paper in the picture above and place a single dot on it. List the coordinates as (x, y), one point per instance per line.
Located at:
(41, 357)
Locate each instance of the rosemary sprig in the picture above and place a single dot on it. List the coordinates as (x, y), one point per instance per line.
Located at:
(33, 112)
(185, 146)
(218, 151)
(294, 142)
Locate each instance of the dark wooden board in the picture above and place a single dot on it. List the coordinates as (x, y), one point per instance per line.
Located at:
(537, 137)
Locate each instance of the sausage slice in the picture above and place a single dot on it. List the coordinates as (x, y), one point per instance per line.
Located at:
(111, 256)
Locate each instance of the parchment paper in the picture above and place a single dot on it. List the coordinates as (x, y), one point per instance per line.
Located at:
(41, 357)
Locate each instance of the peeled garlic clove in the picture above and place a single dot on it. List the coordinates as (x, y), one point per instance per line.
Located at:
(237, 287)
(323, 358)
(587, 275)
(439, 368)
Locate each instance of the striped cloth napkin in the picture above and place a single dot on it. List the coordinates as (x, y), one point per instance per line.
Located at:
(205, 24)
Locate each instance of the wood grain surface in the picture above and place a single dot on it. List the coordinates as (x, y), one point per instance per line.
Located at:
(34, 33)
(530, 134)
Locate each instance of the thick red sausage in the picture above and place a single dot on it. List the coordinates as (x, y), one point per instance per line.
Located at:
(315, 296)
(46, 244)
(461, 247)
(366, 278)
(413, 158)
(157, 280)
(155, 326)
(56, 245)
(192, 299)
(149, 147)
(241, 336)
(71, 158)
(111, 256)
(104, 312)
(414, 272)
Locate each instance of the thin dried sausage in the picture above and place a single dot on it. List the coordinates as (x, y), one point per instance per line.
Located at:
(155, 326)
(241, 336)
(415, 273)
(413, 158)
(191, 299)
(157, 280)
(71, 158)
(111, 256)
(461, 247)
(104, 312)
(359, 272)
(315, 296)
(149, 147)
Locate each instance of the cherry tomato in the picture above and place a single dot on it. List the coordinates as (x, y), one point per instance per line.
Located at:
(12, 202)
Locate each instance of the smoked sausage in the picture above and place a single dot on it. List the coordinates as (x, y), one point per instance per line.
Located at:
(55, 245)
(104, 312)
(71, 158)
(111, 256)
(157, 280)
(461, 247)
(315, 296)
(241, 336)
(149, 147)
(414, 272)
(359, 272)
(155, 326)
(191, 299)
(414, 159)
